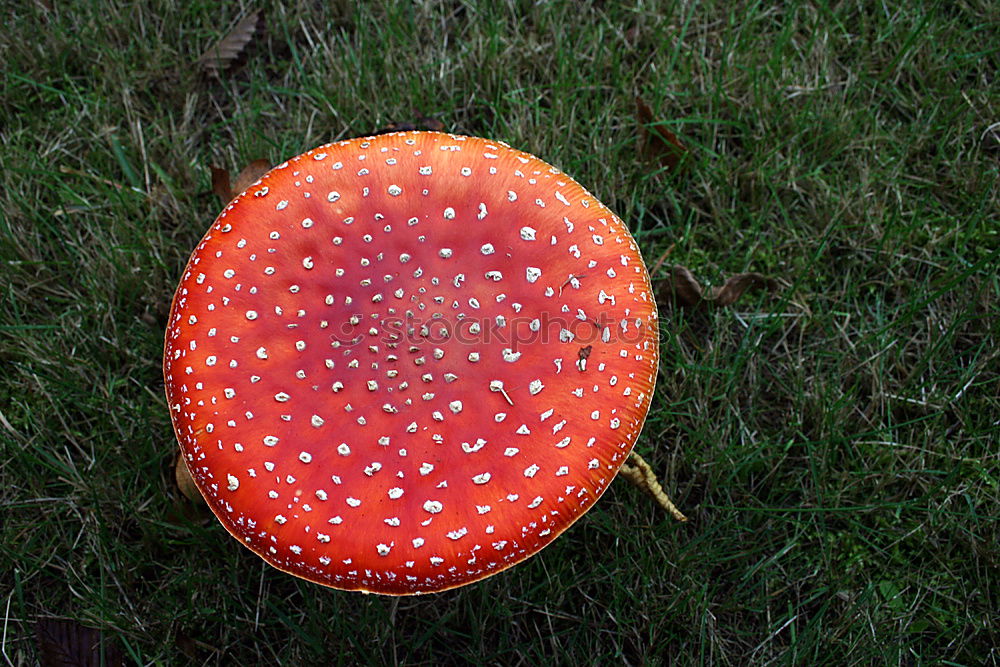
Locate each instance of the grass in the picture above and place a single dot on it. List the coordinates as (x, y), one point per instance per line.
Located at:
(835, 444)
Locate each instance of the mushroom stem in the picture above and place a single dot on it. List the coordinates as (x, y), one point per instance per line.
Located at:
(637, 471)
(185, 483)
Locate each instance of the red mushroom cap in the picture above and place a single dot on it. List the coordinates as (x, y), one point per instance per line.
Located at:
(403, 363)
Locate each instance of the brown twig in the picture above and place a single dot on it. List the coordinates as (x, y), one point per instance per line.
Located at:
(662, 259)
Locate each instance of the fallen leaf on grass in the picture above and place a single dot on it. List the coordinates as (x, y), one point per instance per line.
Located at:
(221, 55)
(684, 289)
(226, 190)
(249, 175)
(67, 643)
(420, 123)
(686, 292)
(220, 183)
(735, 286)
(655, 141)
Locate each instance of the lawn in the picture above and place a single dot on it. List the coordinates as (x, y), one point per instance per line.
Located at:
(833, 441)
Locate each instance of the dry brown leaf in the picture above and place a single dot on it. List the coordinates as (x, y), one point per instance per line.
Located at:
(66, 643)
(420, 123)
(185, 483)
(220, 183)
(655, 141)
(224, 52)
(684, 289)
(249, 175)
(735, 286)
(226, 190)
(686, 292)
(430, 123)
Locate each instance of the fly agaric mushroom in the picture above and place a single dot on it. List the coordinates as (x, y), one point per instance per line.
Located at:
(401, 364)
